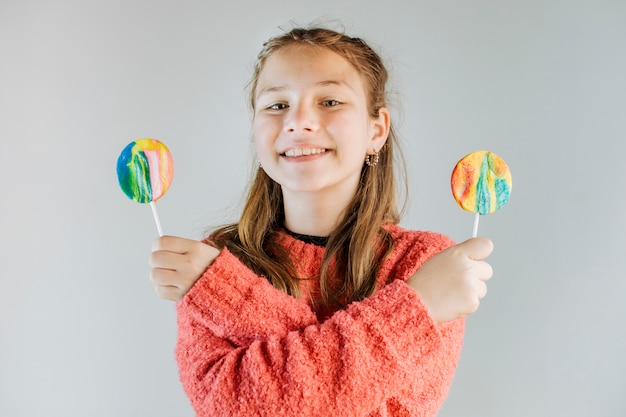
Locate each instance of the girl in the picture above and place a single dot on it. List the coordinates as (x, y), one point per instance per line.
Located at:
(316, 302)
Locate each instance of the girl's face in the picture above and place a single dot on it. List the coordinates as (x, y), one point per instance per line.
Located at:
(311, 125)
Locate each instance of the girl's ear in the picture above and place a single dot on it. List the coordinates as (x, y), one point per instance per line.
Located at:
(380, 128)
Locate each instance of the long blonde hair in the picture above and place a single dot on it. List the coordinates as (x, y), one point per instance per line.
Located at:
(358, 245)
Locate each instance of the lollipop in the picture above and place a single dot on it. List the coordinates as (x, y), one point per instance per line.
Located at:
(481, 183)
(144, 171)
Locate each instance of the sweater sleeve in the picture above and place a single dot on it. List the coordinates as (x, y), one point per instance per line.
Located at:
(247, 349)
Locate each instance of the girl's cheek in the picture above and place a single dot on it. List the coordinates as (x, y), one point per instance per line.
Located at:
(258, 126)
(263, 129)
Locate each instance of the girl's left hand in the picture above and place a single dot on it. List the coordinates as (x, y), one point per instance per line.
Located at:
(452, 282)
(177, 264)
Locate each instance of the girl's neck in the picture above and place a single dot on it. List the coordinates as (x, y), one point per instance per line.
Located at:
(312, 214)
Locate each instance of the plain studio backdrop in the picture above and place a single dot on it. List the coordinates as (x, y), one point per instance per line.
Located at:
(542, 83)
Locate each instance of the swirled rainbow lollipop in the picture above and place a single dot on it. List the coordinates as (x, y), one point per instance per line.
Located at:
(144, 170)
(481, 183)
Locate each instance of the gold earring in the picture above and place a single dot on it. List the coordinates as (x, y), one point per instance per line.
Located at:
(372, 160)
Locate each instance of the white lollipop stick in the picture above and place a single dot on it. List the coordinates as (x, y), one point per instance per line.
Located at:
(156, 218)
(476, 219)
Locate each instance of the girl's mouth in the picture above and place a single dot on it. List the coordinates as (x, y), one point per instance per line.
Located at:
(304, 152)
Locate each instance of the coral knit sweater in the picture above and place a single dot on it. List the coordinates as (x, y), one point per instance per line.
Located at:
(247, 349)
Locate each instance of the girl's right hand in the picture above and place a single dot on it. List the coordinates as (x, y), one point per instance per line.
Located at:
(452, 282)
(177, 264)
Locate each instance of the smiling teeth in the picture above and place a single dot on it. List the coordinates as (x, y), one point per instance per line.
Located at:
(306, 151)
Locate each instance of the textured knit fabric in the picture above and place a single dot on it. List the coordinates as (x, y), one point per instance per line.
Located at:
(247, 349)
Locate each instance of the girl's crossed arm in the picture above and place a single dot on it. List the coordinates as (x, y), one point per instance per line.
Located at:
(246, 348)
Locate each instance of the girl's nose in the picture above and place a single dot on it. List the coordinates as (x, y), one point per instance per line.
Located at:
(301, 119)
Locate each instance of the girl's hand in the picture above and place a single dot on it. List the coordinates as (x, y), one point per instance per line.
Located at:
(177, 264)
(452, 282)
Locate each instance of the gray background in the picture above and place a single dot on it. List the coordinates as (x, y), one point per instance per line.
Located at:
(541, 83)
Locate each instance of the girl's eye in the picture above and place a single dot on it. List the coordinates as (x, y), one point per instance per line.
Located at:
(278, 106)
(331, 103)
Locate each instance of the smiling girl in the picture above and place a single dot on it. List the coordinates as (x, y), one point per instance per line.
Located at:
(317, 303)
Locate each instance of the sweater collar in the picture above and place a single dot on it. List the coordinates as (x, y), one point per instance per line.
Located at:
(313, 240)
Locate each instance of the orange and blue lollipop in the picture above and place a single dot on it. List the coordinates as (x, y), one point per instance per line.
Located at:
(481, 183)
(145, 170)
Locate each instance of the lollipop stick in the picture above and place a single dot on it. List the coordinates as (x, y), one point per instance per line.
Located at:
(476, 219)
(156, 218)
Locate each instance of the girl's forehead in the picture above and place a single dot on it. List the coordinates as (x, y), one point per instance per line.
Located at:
(305, 62)
(298, 50)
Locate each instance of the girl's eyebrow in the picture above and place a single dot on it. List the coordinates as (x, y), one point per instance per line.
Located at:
(278, 88)
(334, 82)
(270, 89)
